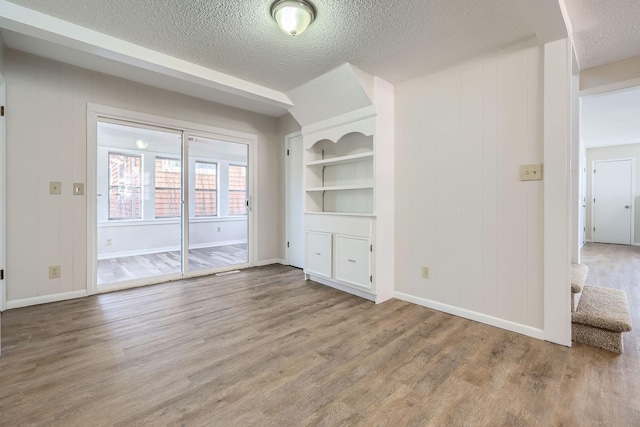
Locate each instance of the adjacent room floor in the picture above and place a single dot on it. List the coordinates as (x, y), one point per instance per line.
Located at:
(151, 265)
(264, 347)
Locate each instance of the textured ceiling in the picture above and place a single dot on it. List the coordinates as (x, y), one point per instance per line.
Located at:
(394, 40)
(604, 31)
(610, 118)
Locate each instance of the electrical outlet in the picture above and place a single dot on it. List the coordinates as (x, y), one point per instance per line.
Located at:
(425, 272)
(109, 242)
(55, 187)
(54, 272)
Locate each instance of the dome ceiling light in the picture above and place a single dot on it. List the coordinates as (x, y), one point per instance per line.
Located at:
(293, 16)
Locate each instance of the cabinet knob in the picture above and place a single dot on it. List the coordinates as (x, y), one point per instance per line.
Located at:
(318, 253)
(351, 260)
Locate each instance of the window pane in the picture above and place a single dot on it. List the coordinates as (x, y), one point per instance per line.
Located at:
(237, 190)
(206, 185)
(124, 203)
(238, 178)
(124, 186)
(124, 170)
(237, 203)
(168, 194)
(206, 203)
(167, 203)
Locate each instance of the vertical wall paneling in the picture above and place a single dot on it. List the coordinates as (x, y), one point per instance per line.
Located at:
(464, 132)
(471, 129)
(535, 190)
(490, 186)
(511, 140)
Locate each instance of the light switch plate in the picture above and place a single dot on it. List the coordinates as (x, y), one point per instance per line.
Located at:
(78, 189)
(55, 187)
(531, 172)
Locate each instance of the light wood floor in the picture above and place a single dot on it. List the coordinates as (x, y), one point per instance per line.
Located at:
(116, 270)
(264, 347)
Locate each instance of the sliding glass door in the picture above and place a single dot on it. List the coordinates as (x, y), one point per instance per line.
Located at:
(152, 204)
(218, 226)
(138, 204)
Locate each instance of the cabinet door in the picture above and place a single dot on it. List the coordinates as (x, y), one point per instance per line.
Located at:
(318, 254)
(353, 261)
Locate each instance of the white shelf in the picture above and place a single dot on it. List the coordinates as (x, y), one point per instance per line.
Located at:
(339, 188)
(343, 160)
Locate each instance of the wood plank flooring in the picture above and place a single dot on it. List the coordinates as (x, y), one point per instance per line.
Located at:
(116, 270)
(265, 348)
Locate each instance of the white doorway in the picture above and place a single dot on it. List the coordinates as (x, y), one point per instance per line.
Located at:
(583, 202)
(612, 201)
(294, 200)
(3, 172)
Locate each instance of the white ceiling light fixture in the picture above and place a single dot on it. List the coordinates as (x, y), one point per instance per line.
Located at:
(142, 144)
(293, 16)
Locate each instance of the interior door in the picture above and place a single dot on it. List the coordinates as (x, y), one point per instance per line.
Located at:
(612, 193)
(294, 201)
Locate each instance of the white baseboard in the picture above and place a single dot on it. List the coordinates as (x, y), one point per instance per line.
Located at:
(344, 288)
(270, 261)
(635, 244)
(44, 299)
(167, 249)
(473, 315)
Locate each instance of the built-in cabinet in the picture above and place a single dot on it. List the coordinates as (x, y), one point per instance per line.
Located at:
(340, 177)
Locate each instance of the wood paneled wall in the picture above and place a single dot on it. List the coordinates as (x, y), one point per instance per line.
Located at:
(46, 141)
(461, 210)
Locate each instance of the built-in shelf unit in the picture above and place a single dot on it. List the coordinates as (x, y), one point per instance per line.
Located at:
(341, 220)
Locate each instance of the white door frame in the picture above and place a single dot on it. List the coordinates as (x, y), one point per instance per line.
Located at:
(633, 192)
(3, 196)
(287, 172)
(96, 112)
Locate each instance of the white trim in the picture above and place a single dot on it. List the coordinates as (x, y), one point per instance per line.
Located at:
(341, 120)
(611, 87)
(112, 255)
(270, 262)
(341, 287)
(473, 315)
(287, 172)
(632, 232)
(557, 196)
(25, 302)
(97, 112)
(165, 221)
(3, 197)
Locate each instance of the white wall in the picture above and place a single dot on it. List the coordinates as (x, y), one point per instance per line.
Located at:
(461, 136)
(630, 151)
(46, 141)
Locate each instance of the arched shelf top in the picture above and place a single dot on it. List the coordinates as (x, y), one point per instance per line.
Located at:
(334, 134)
(340, 138)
